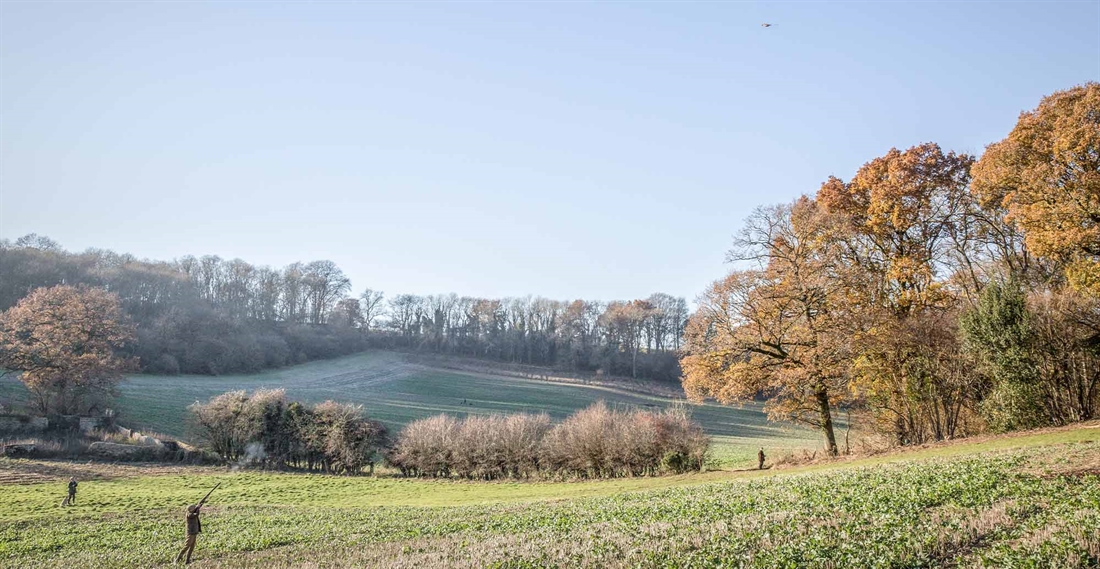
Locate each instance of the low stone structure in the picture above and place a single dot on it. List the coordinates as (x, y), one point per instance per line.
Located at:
(116, 451)
(23, 423)
(18, 451)
(89, 424)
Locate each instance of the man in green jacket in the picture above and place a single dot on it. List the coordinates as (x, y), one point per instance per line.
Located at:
(194, 528)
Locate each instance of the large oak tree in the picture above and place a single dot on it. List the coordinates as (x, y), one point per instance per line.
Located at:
(64, 340)
(780, 329)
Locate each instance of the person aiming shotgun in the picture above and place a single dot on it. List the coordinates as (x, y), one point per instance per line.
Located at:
(194, 526)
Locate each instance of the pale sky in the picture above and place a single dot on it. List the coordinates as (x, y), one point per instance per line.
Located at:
(568, 150)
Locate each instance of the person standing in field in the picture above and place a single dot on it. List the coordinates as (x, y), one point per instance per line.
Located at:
(71, 498)
(194, 528)
(760, 459)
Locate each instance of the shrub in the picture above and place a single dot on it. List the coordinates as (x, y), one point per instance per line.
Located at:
(264, 428)
(349, 439)
(167, 364)
(1039, 353)
(425, 447)
(219, 425)
(596, 442)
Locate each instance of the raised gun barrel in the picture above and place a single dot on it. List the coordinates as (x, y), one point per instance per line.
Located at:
(203, 501)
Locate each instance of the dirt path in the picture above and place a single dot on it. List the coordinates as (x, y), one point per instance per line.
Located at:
(37, 471)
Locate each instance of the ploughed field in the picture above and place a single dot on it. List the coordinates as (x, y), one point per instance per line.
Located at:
(1031, 500)
(395, 391)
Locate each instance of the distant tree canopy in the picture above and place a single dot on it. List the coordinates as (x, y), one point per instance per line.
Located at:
(63, 340)
(197, 315)
(940, 304)
(638, 338)
(209, 315)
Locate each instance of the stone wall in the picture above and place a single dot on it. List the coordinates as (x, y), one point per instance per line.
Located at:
(23, 423)
(89, 424)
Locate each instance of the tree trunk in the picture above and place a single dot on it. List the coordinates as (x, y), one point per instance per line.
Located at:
(826, 420)
(634, 362)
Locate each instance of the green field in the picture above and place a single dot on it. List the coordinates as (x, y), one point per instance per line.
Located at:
(1022, 501)
(395, 391)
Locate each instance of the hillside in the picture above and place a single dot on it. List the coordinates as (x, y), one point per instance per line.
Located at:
(1026, 500)
(397, 388)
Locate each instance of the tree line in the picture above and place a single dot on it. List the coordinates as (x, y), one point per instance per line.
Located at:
(638, 338)
(196, 315)
(935, 293)
(210, 315)
(265, 429)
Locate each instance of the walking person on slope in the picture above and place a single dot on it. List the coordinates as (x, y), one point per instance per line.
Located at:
(71, 498)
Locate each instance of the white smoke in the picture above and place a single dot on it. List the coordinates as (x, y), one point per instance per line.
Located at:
(253, 454)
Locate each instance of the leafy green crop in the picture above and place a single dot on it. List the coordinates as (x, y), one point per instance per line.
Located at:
(1010, 508)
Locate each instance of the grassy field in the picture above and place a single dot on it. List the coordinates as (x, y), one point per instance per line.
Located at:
(395, 391)
(1022, 501)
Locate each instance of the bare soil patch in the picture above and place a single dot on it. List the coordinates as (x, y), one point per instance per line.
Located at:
(37, 471)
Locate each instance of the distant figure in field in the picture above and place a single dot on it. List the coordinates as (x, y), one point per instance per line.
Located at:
(71, 498)
(194, 528)
(760, 458)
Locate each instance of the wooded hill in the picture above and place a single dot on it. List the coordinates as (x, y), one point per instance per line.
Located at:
(208, 315)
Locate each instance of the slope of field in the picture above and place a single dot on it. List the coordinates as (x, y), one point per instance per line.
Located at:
(1022, 501)
(393, 390)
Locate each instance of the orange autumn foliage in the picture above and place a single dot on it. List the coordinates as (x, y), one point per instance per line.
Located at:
(778, 330)
(903, 205)
(63, 341)
(1046, 176)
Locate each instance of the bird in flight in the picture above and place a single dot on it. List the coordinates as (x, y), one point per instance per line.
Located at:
(766, 25)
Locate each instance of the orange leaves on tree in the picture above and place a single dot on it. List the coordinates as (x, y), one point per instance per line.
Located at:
(63, 341)
(1046, 176)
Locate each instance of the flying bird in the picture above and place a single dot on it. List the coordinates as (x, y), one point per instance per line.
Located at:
(766, 25)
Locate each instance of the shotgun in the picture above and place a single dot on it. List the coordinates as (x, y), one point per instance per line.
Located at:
(203, 501)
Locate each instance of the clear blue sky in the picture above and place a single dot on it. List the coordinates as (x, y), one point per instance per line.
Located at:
(560, 149)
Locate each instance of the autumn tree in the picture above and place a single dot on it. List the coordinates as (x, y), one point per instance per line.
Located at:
(904, 210)
(63, 341)
(900, 300)
(908, 224)
(781, 329)
(1046, 178)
